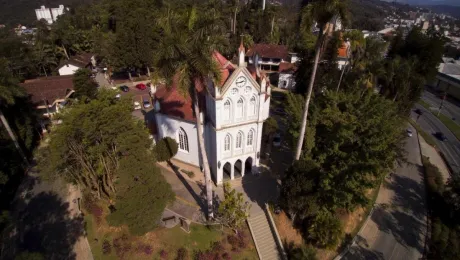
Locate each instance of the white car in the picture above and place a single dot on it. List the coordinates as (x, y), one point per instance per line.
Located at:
(409, 132)
(146, 104)
(118, 96)
(277, 140)
(137, 105)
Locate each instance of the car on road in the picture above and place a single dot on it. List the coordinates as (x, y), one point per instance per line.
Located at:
(409, 132)
(137, 105)
(418, 111)
(141, 86)
(277, 140)
(146, 103)
(124, 88)
(440, 136)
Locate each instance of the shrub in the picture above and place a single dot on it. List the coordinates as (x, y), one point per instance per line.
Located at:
(324, 229)
(165, 149)
(91, 206)
(122, 246)
(238, 241)
(226, 256)
(182, 254)
(106, 247)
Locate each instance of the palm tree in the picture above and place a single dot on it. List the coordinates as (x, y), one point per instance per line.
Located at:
(321, 11)
(8, 92)
(185, 53)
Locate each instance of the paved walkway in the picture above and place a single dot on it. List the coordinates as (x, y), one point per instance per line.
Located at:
(190, 197)
(397, 227)
(436, 159)
(48, 220)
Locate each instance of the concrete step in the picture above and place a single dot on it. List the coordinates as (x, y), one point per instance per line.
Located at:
(264, 237)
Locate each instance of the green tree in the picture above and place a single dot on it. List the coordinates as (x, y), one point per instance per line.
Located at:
(84, 85)
(325, 229)
(185, 52)
(233, 210)
(29, 256)
(303, 252)
(322, 12)
(165, 149)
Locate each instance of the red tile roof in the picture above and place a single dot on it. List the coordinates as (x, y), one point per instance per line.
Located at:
(226, 67)
(269, 51)
(286, 67)
(48, 88)
(80, 60)
(342, 51)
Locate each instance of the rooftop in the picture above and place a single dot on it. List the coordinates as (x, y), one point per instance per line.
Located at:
(80, 60)
(48, 88)
(269, 51)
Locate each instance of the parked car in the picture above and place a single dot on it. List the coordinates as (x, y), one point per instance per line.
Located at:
(141, 86)
(124, 88)
(277, 140)
(137, 105)
(118, 96)
(440, 136)
(146, 103)
(409, 132)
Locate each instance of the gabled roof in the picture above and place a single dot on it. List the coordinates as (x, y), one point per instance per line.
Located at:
(80, 60)
(269, 51)
(48, 88)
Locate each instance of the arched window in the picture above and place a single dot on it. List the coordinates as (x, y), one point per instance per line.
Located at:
(227, 143)
(250, 137)
(239, 108)
(183, 140)
(252, 106)
(239, 140)
(227, 110)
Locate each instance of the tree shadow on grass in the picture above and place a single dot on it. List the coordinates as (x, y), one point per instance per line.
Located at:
(45, 225)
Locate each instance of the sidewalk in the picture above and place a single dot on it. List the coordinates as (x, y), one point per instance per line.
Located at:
(434, 157)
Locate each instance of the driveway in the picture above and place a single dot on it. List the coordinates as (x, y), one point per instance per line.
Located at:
(397, 227)
(47, 219)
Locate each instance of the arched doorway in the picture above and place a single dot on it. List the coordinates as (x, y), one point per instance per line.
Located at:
(248, 166)
(238, 167)
(226, 172)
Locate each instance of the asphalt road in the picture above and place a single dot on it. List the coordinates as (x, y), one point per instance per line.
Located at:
(451, 147)
(449, 109)
(397, 227)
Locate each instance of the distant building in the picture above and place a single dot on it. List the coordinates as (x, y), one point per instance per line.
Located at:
(448, 77)
(425, 25)
(80, 61)
(269, 56)
(49, 14)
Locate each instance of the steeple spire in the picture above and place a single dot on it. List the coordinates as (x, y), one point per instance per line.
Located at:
(241, 54)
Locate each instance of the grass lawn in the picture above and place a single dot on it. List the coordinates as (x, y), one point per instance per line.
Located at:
(449, 123)
(122, 245)
(424, 104)
(428, 137)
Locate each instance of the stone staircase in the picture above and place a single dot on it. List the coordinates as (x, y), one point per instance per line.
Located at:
(264, 237)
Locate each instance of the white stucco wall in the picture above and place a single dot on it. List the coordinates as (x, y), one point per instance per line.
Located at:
(286, 81)
(168, 126)
(68, 70)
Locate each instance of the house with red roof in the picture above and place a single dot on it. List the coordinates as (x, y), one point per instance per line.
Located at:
(234, 111)
(269, 56)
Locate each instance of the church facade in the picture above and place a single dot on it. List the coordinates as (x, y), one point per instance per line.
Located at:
(235, 111)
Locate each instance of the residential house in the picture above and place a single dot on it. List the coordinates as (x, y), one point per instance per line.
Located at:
(448, 77)
(269, 56)
(49, 94)
(236, 109)
(83, 60)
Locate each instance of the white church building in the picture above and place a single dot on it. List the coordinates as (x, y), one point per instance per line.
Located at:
(235, 111)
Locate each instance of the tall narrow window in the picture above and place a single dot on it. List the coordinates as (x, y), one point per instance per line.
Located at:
(183, 140)
(227, 110)
(250, 137)
(252, 106)
(239, 108)
(239, 140)
(227, 143)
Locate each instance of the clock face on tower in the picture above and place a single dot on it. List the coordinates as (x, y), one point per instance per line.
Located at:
(240, 81)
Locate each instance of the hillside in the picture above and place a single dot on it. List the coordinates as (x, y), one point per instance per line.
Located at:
(13, 12)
